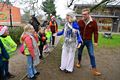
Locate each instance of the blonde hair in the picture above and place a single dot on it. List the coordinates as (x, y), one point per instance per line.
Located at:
(28, 27)
(86, 9)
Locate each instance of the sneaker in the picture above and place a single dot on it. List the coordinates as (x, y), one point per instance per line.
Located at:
(78, 65)
(95, 72)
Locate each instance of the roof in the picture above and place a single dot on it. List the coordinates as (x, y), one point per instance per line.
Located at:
(91, 5)
(100, 16)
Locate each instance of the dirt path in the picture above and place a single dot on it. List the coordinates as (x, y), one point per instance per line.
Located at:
(18, 64)
(108, 62)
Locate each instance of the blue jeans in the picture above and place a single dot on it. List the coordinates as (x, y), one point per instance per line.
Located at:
(30, 67)
(89, 45)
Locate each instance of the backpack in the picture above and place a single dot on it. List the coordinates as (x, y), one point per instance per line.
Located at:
(22, 49)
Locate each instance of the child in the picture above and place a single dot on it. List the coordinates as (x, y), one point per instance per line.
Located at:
(48, 34)
(3, 53)
(31, 50)
(10, 46)
(42, 39)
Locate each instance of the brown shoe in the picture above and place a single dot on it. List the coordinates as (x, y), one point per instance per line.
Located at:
(78, 65)
(95, 72)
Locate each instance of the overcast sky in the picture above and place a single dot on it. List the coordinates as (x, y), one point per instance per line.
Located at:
(61, 5)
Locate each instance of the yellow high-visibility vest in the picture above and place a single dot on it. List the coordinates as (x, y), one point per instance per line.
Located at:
(26, 51)
(9, 45)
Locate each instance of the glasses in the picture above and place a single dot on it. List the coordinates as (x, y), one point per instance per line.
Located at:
(84, 14)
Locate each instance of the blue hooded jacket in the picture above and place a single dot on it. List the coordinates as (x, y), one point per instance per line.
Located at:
(74, 26)
(3, 53)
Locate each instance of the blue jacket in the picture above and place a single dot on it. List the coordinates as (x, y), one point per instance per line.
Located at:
(75, 26)
(3, 53)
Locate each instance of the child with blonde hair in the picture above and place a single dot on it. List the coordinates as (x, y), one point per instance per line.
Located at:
(29, 39)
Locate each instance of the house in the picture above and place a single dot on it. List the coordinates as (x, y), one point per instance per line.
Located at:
(5, 15)
(107, 17)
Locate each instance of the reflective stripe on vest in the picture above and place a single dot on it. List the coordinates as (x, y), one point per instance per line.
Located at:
(0, 51)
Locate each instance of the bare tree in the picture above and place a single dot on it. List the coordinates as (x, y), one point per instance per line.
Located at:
(70, 3)
(104, 2)
(30, 4)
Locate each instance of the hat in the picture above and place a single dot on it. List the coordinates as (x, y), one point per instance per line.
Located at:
(3, 29)
(52, 17)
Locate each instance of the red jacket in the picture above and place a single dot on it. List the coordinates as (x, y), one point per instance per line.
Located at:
(29, 43)
(87, 30)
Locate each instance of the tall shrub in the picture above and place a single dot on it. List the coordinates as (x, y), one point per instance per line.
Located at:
(15, 33)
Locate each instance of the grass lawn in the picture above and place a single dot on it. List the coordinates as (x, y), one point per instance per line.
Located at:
(60, 27)
(104, 42)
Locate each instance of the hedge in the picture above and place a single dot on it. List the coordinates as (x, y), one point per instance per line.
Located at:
(15, 33)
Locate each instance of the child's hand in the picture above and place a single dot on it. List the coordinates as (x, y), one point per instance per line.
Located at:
(78, 46)
(43, 38)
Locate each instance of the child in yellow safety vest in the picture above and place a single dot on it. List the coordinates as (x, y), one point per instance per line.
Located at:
(3, 53)
(10, 47)
(48, 34)
(31, 50)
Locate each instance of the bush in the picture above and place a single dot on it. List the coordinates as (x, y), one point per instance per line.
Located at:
(15, 33)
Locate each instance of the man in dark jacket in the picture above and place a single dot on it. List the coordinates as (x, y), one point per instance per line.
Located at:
(88, 26)
(34, 22)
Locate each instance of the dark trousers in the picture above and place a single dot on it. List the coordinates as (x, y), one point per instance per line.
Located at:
(6, 67)
(41, 51)
(89, 45)
(4, 70)
(1, 72)
(53, 40)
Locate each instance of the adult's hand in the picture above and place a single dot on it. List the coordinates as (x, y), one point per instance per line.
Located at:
(95, 44)
(78, 46)
(55, 34)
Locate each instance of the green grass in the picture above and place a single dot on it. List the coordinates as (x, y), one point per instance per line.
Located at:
(104, 42)
(60, 27)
